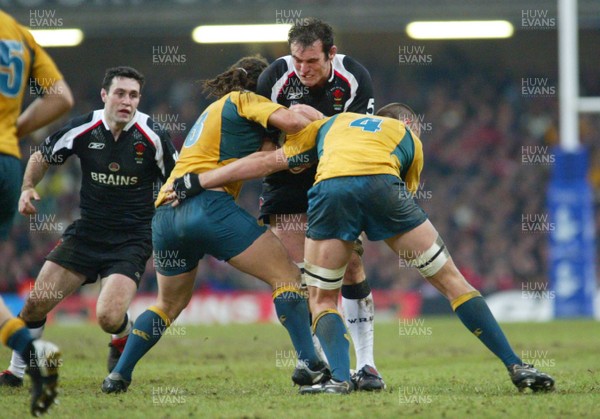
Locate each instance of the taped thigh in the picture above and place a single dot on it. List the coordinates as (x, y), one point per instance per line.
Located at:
(433, 259)
(323, 278)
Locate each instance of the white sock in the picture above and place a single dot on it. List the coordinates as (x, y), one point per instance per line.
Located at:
(359, 315)
(17, 363)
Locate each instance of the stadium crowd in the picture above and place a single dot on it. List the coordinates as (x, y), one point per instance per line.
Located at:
(488, 157)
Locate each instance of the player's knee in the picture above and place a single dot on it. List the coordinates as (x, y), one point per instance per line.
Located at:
(109, 320)
(174, 305)
(433, 259)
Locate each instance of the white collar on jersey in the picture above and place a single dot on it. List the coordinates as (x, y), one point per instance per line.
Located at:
(129, 125)
(332, 70)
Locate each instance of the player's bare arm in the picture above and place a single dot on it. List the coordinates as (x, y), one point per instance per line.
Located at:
(288, 121)
(307, 111)
(46, 109)
(34, 173)
(253, 166)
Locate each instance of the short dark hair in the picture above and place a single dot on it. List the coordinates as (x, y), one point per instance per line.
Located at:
(397, 110)
(403, 113)
(243, 75)
(310, 30)
(122, 71)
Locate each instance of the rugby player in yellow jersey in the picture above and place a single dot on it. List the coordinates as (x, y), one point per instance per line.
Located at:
(315, 73)
(212, 223)
(22, 59)
(365, 185)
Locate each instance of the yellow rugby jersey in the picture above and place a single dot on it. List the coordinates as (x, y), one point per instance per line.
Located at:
(21, 58)
(230, 128)
(352, 144)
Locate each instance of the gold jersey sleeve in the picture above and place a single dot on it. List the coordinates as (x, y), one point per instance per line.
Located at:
(301, 148)
(230, 128)
(254, 107)
(21, 59)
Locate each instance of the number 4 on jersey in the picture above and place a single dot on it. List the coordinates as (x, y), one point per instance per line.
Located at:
(367, 124)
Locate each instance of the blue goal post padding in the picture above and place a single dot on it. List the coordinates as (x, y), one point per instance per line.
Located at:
(572, 239)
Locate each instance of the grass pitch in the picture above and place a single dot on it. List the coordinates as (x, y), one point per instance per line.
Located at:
(433, 369)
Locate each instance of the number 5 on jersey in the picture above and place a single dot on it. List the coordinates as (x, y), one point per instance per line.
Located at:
(11, 67)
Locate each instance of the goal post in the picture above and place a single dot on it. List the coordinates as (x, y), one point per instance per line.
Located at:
(570, 196)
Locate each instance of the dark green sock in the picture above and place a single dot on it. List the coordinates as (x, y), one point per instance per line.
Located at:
(477, 317)
(17, 336)
(292, 311)
(331, 331)
(147, 330)
(19, 341)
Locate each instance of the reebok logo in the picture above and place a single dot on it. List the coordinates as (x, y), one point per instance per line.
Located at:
(96, 146)
(294, 95)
